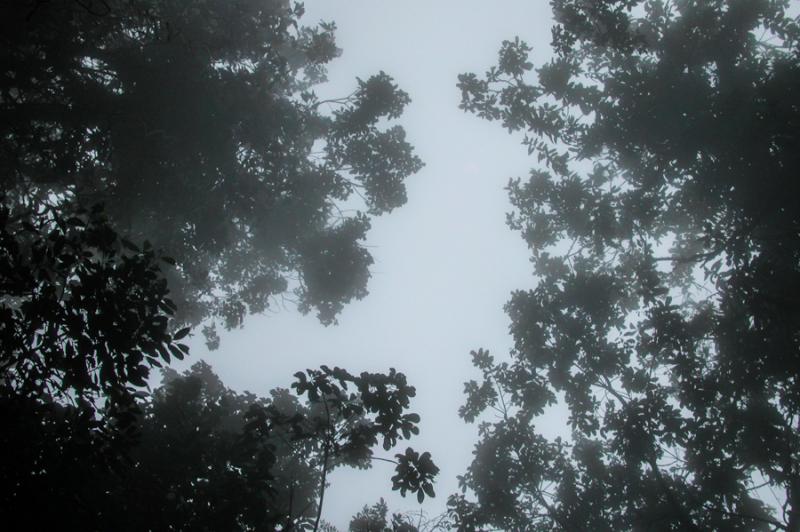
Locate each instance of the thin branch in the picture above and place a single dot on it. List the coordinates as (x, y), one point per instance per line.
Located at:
(694, 257)
(766, 520)
(383, 459)
(324, 467)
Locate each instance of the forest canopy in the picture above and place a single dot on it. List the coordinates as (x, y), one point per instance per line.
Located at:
(165, 164)
(663, 220)
(196, 124)
(169, 167)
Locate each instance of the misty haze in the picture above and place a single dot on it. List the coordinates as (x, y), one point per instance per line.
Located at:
(358, 265)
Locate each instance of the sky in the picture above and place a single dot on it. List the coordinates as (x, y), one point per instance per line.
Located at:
(445, 263)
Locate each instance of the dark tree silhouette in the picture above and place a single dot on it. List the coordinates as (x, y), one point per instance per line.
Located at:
(196, 123)
(375, 519)
(664, 223)
(214, 459)
(84, 316)
(194, 469)
(130, 126)
(208, 458)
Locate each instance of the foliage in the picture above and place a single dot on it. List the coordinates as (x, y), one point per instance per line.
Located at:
(354, 422)
(238, 462)
(194, 126)
(664, 225)
(209, 458)
(198, 127)
(84, 316)
(196, 469)
(373, 519)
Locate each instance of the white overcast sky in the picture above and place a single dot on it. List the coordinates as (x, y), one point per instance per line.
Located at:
(445, 263)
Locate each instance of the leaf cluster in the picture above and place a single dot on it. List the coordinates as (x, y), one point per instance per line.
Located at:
(199, 128)
(84, 316)
(663, 222)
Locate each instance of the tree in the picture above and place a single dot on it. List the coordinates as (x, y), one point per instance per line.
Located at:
(374, 519)
(198, 127)
(208, 458)
(191, 468)
(131, 127)
(84, 316)
(664, 223)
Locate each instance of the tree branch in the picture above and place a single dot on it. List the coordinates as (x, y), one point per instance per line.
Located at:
(325, 453)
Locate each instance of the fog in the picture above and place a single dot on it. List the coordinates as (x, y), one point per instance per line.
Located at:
(375, 265)
(445, 263)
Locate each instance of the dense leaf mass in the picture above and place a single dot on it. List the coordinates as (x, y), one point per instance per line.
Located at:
(82, 312)
(197, 125)
(374, 519)
(664, 223)
(207, 457)
(84, 316)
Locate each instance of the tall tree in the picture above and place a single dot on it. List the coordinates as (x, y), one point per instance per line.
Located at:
(197, 127)
(664, 223)
(196, 123)
(213, 459)
(84, 316)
